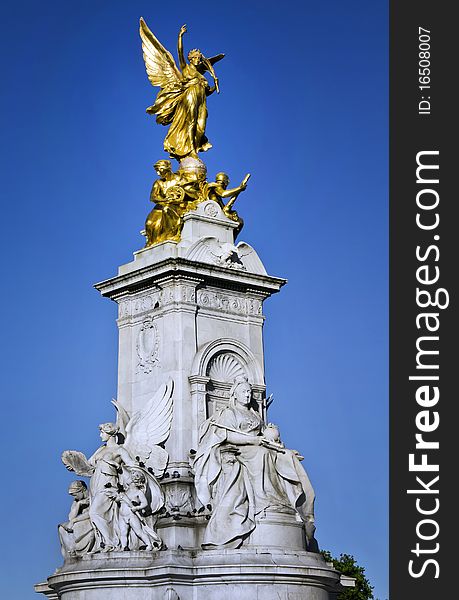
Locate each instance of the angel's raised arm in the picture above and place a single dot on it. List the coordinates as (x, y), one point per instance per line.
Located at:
(180, 53)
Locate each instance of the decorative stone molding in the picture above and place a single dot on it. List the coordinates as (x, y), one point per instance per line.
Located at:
(228, 303)
(132, 306)
(198, 385)
(188, 293)
(124, 308)
(172, 292)
(146, 303)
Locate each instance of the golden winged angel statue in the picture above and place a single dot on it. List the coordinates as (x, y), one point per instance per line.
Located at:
(181, 101)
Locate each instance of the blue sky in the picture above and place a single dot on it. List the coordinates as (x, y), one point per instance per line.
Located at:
(303, 107)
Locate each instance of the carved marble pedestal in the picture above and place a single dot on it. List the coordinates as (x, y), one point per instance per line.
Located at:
(247, 574)
(191, 312)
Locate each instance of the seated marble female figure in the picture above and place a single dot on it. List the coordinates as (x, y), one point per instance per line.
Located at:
(245, 475)
(77, 534)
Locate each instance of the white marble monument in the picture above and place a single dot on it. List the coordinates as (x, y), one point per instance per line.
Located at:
(193, 494)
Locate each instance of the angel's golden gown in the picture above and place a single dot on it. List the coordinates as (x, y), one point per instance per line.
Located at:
(186, 112)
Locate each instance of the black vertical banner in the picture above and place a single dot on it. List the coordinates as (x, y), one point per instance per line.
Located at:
(424, 308)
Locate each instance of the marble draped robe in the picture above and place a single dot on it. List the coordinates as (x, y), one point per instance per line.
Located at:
(242, 481)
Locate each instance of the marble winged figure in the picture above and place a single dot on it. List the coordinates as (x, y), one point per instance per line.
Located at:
(123, 474)
(182, 100)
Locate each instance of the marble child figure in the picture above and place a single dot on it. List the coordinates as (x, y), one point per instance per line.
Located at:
(133, 504)
(244, 474)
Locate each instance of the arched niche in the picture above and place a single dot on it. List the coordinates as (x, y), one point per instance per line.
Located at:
(214, 369)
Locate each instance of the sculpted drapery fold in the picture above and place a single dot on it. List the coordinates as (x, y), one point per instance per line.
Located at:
(245, 475)
(182, 100)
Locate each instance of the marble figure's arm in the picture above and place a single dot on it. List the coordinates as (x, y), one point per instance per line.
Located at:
(239, 438)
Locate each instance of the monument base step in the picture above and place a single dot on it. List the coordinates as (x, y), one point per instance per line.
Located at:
(246, 574)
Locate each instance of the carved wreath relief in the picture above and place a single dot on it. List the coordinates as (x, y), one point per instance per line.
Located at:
(147, 346)
(229, 303)
(210, 209)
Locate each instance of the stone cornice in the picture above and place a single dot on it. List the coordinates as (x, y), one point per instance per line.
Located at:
(181, 267)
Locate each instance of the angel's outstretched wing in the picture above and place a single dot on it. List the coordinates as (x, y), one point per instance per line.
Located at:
(150, 427)
(122, 417)
(159, 63)
(77, 461)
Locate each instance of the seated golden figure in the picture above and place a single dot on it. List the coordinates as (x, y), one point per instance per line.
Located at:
(164, 222)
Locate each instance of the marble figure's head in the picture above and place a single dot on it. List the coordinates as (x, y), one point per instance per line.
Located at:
(241, 391)
(78, 489)
(137, 477)
(107, 430)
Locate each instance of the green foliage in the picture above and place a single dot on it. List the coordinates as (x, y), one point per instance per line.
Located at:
(346, 565)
